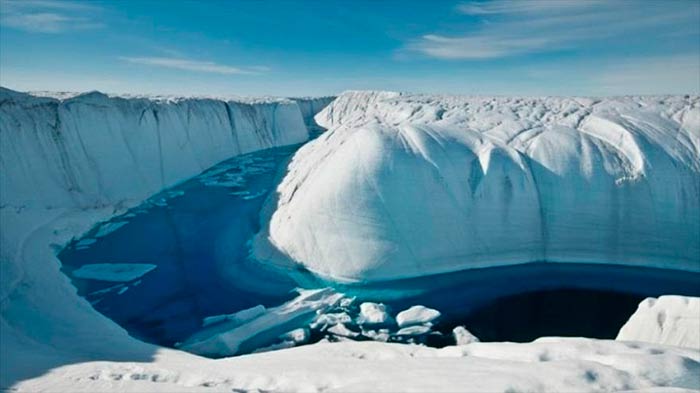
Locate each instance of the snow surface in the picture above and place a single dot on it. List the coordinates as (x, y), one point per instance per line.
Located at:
(670, 320)
(53, 340)
(115, 272)
(410, 185)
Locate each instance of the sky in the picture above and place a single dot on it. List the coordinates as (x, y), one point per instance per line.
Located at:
(314, 47)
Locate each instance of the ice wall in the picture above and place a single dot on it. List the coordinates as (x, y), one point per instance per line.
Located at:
(95, 150)
(310, 106)
(408, 185)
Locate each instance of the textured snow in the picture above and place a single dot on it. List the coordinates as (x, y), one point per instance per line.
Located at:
(115, 272)
(409, 185)
(416, 315)
(547, 365)
(670, 320)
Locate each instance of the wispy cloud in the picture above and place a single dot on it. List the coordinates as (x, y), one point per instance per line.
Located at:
(194, 65)
(502, 28)
(49, 16)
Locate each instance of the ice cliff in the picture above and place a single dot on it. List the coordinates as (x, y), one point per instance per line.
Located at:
(94, 150)
(409, 185)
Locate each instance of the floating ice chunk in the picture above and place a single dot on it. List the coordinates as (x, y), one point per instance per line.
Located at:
(85, 243)
(114, 272)
(373, 314)
(297, 336)
(254, 195)
(416, 315)
(341, 330)
(346, 302)
(106, 290)
(240, 317)
(416, 330)
(462, 336)
(109, 227)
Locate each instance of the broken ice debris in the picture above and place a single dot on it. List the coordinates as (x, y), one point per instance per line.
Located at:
(240, 317)
(373, 314)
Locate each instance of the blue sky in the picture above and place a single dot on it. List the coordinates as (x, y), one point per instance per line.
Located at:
(534, 47)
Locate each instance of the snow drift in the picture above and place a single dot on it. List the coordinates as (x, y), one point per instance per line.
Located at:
(411, 185)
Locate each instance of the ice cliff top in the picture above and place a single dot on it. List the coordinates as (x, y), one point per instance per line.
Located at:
(483, 113)
(8, 94)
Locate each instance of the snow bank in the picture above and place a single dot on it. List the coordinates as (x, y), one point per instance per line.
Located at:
(409, 185)
(670, 320)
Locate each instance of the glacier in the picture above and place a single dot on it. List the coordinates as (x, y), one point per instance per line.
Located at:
(405, 186)
(67, 163)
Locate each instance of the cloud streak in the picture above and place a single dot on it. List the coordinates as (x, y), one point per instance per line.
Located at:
(503, 28)
(49, 16)
(194, 65)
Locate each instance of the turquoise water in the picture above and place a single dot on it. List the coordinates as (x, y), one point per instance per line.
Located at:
(197, 235)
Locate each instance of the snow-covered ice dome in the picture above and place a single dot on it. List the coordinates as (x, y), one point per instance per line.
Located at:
(410, 185)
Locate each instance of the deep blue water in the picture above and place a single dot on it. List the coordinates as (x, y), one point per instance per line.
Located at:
(191, 232)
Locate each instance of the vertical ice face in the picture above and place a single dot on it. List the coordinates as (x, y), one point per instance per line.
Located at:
(94, 150)
(403, 186)
(310, 106)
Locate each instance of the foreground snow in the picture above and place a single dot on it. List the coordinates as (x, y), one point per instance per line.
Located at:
(546, 365)
(411, 185)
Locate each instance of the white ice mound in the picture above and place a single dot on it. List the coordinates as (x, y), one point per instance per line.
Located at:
(669, 320)
(416, 315)
(409, 185)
